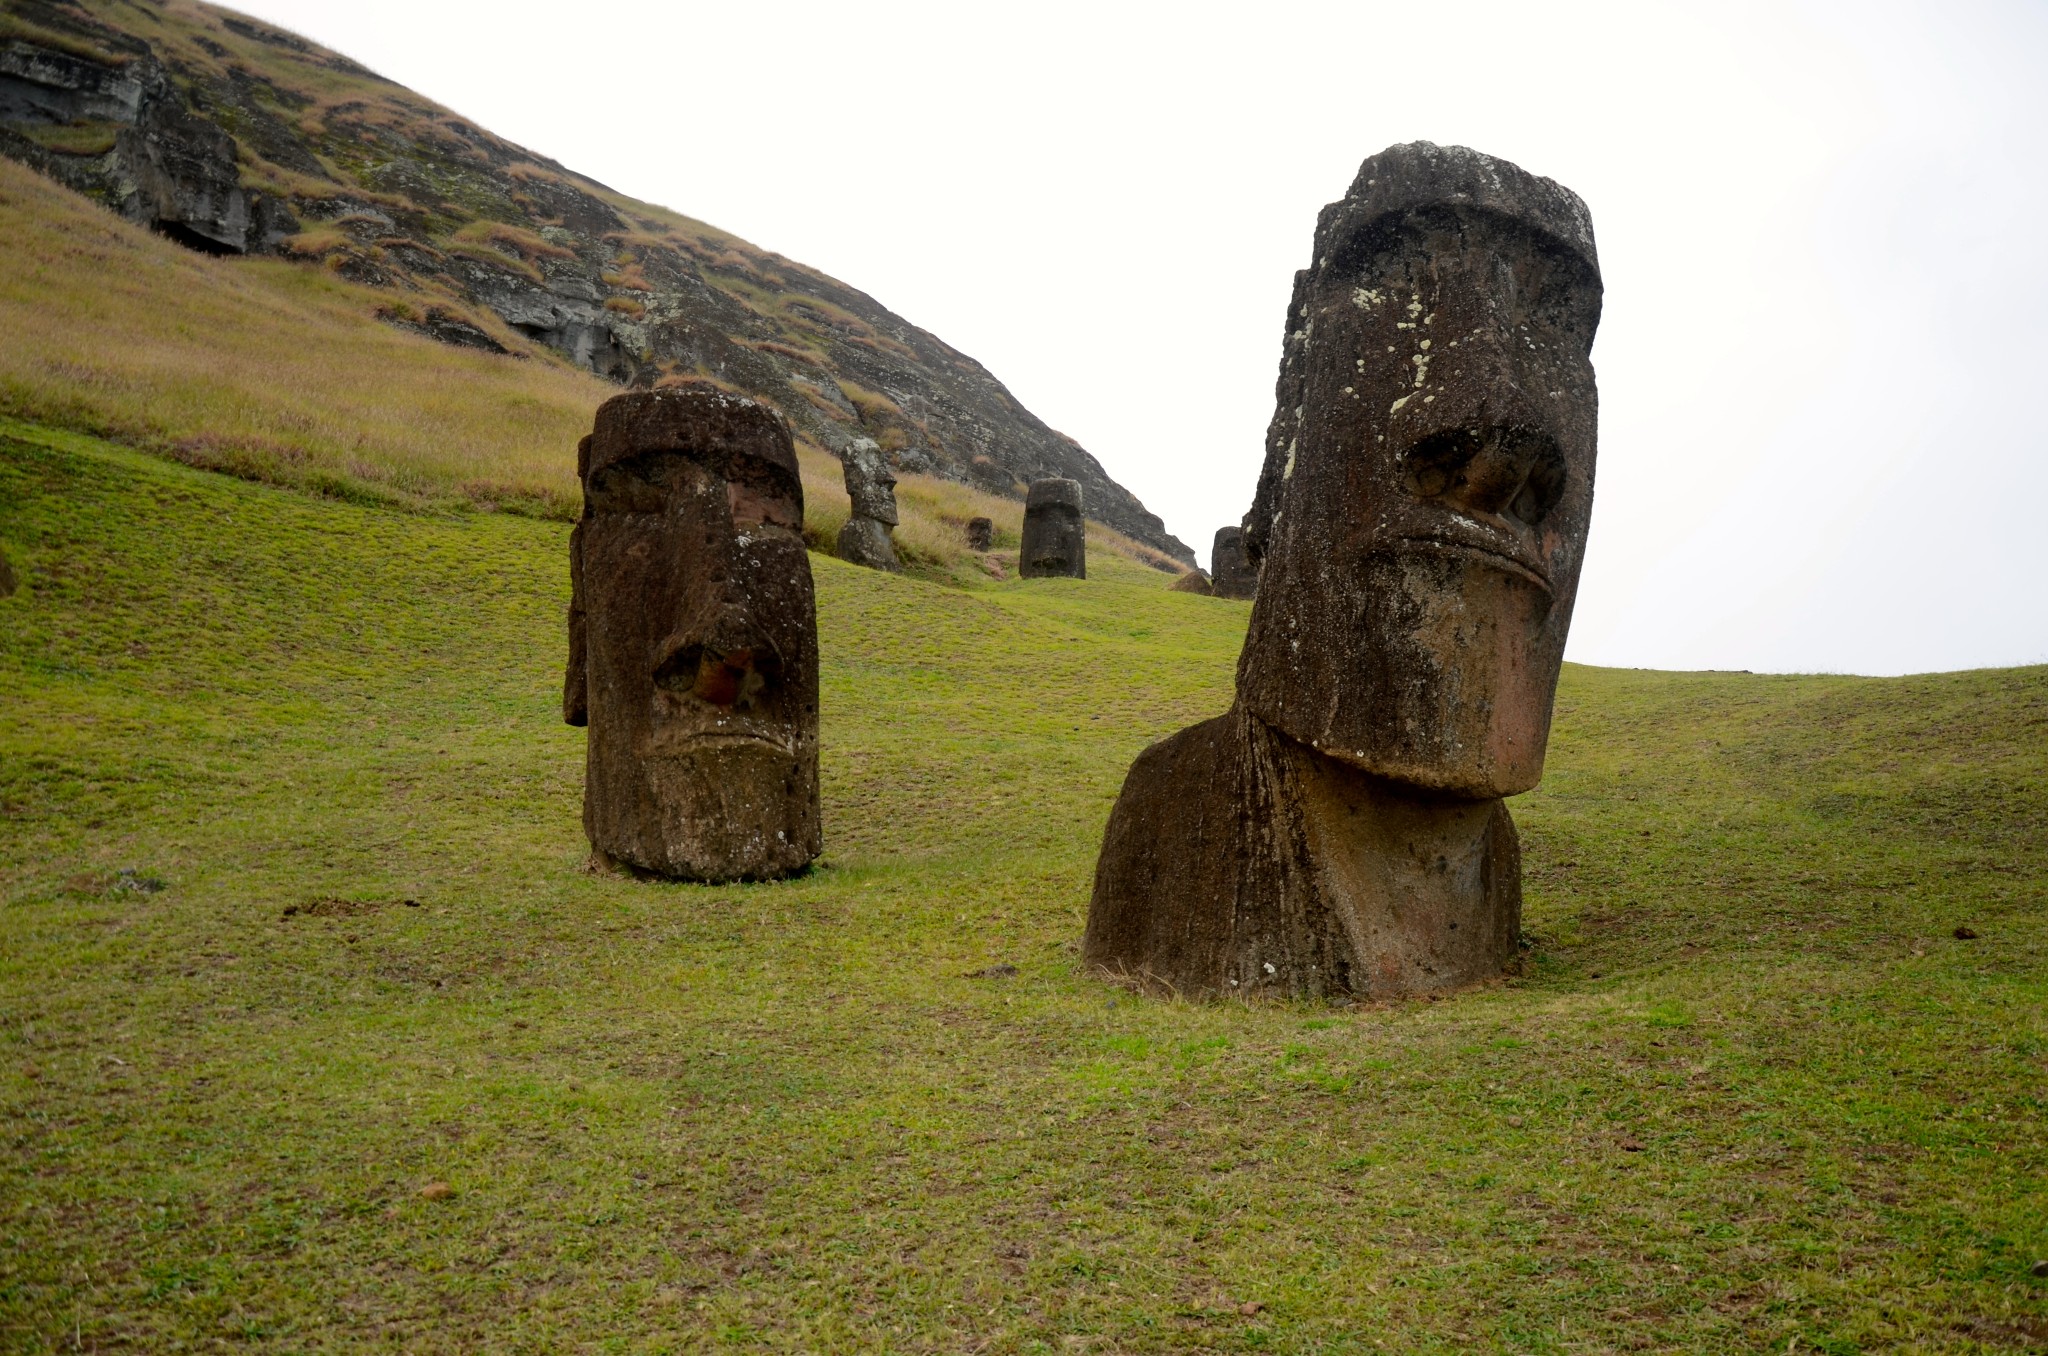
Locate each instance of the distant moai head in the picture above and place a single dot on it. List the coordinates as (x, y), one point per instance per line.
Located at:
(1421, 516)
(981, 534)
(1230, 568)
(693, 639)
(1055, 537)
(869, 481)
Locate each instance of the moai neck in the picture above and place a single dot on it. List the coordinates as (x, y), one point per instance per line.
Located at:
(1426, 889)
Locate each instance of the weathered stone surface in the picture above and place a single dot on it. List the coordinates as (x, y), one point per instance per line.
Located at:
(1230, 568)
(1195, 581)
(1055, 536)
(981, 534)
(871, 485)
(693, 640)
(863, 541)
(1419, 526)
(163, 166)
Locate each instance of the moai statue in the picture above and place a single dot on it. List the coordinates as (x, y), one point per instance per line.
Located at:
(872, 487)
(1055, 537)
(1195, 581)
(693, 640)
(1420, 524)
(1232, 572)
(7, 585)
(981, 534)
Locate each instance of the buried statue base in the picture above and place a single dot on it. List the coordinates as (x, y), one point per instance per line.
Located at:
(1240, 862)
(693, 641)
(1415, 546)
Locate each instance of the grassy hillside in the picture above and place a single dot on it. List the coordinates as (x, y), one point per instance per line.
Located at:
(314, 1032)
(461, 233)
(277, 372)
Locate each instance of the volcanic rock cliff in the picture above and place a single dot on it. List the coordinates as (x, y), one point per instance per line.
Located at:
(237, 138)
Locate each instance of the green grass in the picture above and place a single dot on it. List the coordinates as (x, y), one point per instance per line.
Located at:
(1751, 1094)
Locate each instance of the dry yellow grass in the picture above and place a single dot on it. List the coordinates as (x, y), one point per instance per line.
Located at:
(282, 372)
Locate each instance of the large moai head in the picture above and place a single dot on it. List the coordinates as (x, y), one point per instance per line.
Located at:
(694, 639)
(1230, 568)
(869, 481)
(981, 534)
(1055, 536)
(1421, 516)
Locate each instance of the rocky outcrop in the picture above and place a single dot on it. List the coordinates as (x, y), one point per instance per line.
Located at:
(123, 135)
(238, 138)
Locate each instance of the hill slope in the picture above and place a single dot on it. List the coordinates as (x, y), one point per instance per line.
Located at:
(1752, 1094)
(235, 137)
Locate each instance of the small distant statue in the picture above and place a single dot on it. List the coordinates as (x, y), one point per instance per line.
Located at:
(7, 584)
(1230, 569)
(1418, 528)
(872, 488)
(981, 534)
(1055, 537)
(693, 640)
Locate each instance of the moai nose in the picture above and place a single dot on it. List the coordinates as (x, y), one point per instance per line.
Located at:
(724, 676)
(1504, 470)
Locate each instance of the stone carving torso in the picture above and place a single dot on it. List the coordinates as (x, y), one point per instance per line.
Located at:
(1417, 536)
(1055, 541)
(693, 640)
(1229, 568)
(871, 487)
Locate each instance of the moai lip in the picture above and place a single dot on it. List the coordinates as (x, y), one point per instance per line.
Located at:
(1416, 537)
(1230, 569)
(693, 640)
(871, 486)
(1055, 535)
(981, 534)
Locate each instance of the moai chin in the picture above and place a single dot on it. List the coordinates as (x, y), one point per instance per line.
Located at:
(1418, 528)
(693, 640)
(1229, 567)
(1055, 536)
(872, 487)
(981, 534)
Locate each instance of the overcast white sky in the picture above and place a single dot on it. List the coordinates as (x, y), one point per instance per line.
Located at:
(1824, 231)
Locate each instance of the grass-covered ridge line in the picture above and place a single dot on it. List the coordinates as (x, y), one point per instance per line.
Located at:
(1752, 1094)
(469, 238)
(280, 373)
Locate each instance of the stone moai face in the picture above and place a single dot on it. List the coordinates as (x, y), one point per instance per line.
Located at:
(1055, 536)
(1229, 567)
(869, 481)
(1422, 515)
(693, 639)
(981, 534)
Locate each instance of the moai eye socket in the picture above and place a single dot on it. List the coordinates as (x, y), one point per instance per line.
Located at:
(734, 678)
(1515, 472)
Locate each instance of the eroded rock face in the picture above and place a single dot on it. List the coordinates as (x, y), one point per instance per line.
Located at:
(1055, 536)
(871, 485)
(1418, 529)
(1230, 568)
(981, 534)
(161, 165)
(693, 640)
